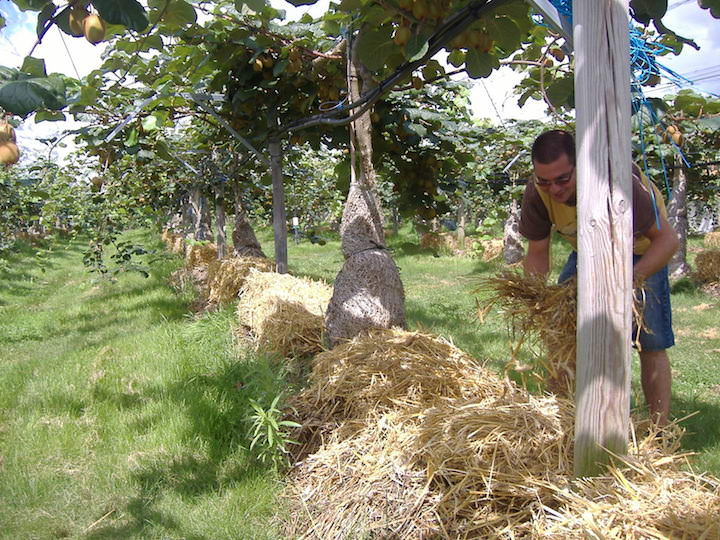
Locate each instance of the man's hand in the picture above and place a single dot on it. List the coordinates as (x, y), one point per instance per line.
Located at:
(537, 260)
(663, 245)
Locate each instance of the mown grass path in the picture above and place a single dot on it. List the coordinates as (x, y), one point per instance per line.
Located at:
(120, 415)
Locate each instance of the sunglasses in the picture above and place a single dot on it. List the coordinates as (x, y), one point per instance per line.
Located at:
(559, 181)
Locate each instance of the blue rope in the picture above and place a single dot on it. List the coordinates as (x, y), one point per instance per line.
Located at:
(564, 7)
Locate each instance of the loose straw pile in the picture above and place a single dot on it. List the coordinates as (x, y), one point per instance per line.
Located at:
(362, 486)
(481, 459)
(284, 314)
(200, 255)
(362, 416)
(174, 242)
(227, 276)
(490, 460)
(387, 370)
(647, 495)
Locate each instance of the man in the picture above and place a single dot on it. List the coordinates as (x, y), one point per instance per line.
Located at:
(550, 201)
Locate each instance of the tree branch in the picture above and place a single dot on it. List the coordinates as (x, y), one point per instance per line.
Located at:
(453, 26)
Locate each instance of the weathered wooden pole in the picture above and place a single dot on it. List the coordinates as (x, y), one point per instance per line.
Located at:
(677, 217)
(602, 99)
(278, 208)
(220, 241)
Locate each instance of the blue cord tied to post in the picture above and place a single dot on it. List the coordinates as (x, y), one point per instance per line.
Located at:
(564, 7)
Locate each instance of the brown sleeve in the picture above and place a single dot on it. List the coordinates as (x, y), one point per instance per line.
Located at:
(535, 222)
(643, 207)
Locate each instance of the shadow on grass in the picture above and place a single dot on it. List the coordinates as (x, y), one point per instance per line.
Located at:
(468, 334)
(213, 457)
(141, 517)
(409, 249)
(488, 267)
(23, 265)
(702, 429)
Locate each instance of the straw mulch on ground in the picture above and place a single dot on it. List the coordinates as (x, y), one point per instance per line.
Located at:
(200, 255)
(646, 497)
(707, 266)
(712, 240)
(469, 456)
(282, 313)
(380, 371)
(226, 277)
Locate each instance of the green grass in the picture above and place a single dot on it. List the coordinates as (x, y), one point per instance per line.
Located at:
(122, 416)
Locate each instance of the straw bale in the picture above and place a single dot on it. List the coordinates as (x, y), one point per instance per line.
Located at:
(707, 264)
(283, 313)
(438, 241)
(367, 293)
(227, 276)
(712, 240)
(491, 249)
(178, 246)
(711, 289)
(200, 254)
(174, 242)
(447, 242)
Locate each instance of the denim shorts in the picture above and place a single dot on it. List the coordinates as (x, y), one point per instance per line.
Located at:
(657, 313)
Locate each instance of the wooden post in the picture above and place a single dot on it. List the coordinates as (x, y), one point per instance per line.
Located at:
(220, 222)
(461, 223)
(677, 217)
(278, 205)
(602, 97)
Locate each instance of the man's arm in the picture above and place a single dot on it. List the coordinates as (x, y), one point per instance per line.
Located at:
(537, 259)
(663, 245)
